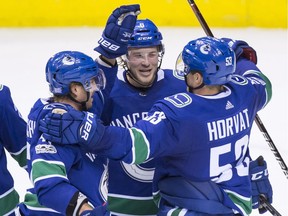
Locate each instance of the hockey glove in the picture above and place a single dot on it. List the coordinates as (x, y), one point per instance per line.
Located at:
(242, 49)
(118, 30)
(73, 127)
(260, 183)
(99, 211)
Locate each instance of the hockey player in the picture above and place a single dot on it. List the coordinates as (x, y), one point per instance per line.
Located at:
(134, 91)
(65, 179)
(201, 137)
(13, 139)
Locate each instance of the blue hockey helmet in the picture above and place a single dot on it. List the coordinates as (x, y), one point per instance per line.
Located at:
(72, 66)
(213, 58)
(145, 34)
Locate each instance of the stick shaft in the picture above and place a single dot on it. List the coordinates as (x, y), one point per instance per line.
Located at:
(200, 18)
(268, 206)
(272, 145)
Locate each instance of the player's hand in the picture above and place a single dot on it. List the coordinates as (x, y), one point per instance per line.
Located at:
(242, 49)
(98, 211)
(260, 183)
(73, 127)
(118, 30)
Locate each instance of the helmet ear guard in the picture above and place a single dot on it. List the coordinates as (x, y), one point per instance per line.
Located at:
(213, 58)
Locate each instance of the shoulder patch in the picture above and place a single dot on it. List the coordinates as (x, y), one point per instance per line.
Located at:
(240, 80)
(178, 74)
(1, 87)
(45, 148)
(179, 100)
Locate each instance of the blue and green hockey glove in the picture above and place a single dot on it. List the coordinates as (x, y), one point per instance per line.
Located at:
(242, 49)
(73, 127)
(118, 30)
(260, 183)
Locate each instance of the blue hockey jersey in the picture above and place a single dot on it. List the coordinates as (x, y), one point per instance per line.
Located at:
(58, 172)
(199, 138)
(13, 139)
(124, 106)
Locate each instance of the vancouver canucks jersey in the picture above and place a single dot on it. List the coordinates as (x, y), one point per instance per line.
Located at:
(13, 139)
(199, 138)
(124, 106)
(58, 172)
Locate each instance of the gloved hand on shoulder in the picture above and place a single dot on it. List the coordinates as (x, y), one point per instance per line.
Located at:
(98, 211)
(260, 183)
(242, 49)
(118, 30)
(73, 127)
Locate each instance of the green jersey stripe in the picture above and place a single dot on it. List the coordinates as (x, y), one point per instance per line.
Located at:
(9, 201)
(243, 203)
(42, 169)
(129, 206)
(141, 146)
(31, 201)
(21, 157)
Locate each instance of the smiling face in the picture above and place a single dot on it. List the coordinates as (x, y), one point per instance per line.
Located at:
(143, 64)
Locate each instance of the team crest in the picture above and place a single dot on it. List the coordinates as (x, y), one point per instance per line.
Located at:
(103, 185)
(139, 172)
(68, 60)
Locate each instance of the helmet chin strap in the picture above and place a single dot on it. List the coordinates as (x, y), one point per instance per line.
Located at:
(83, 103)
(190, 89)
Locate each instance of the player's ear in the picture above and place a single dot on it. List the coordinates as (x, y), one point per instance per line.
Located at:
(75, 88)
(198, 78)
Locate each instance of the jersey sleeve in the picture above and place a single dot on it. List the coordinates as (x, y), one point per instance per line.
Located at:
(260, 82)
(132, 145)
(50, 167)
(12, 128)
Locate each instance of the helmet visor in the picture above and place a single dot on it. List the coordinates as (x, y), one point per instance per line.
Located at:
(96, 83)
(100, 80)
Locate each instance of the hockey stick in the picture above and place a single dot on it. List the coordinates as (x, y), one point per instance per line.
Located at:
(200, 18)
(257, 118)
(271, 145)
(268, 206)
(263, 201)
